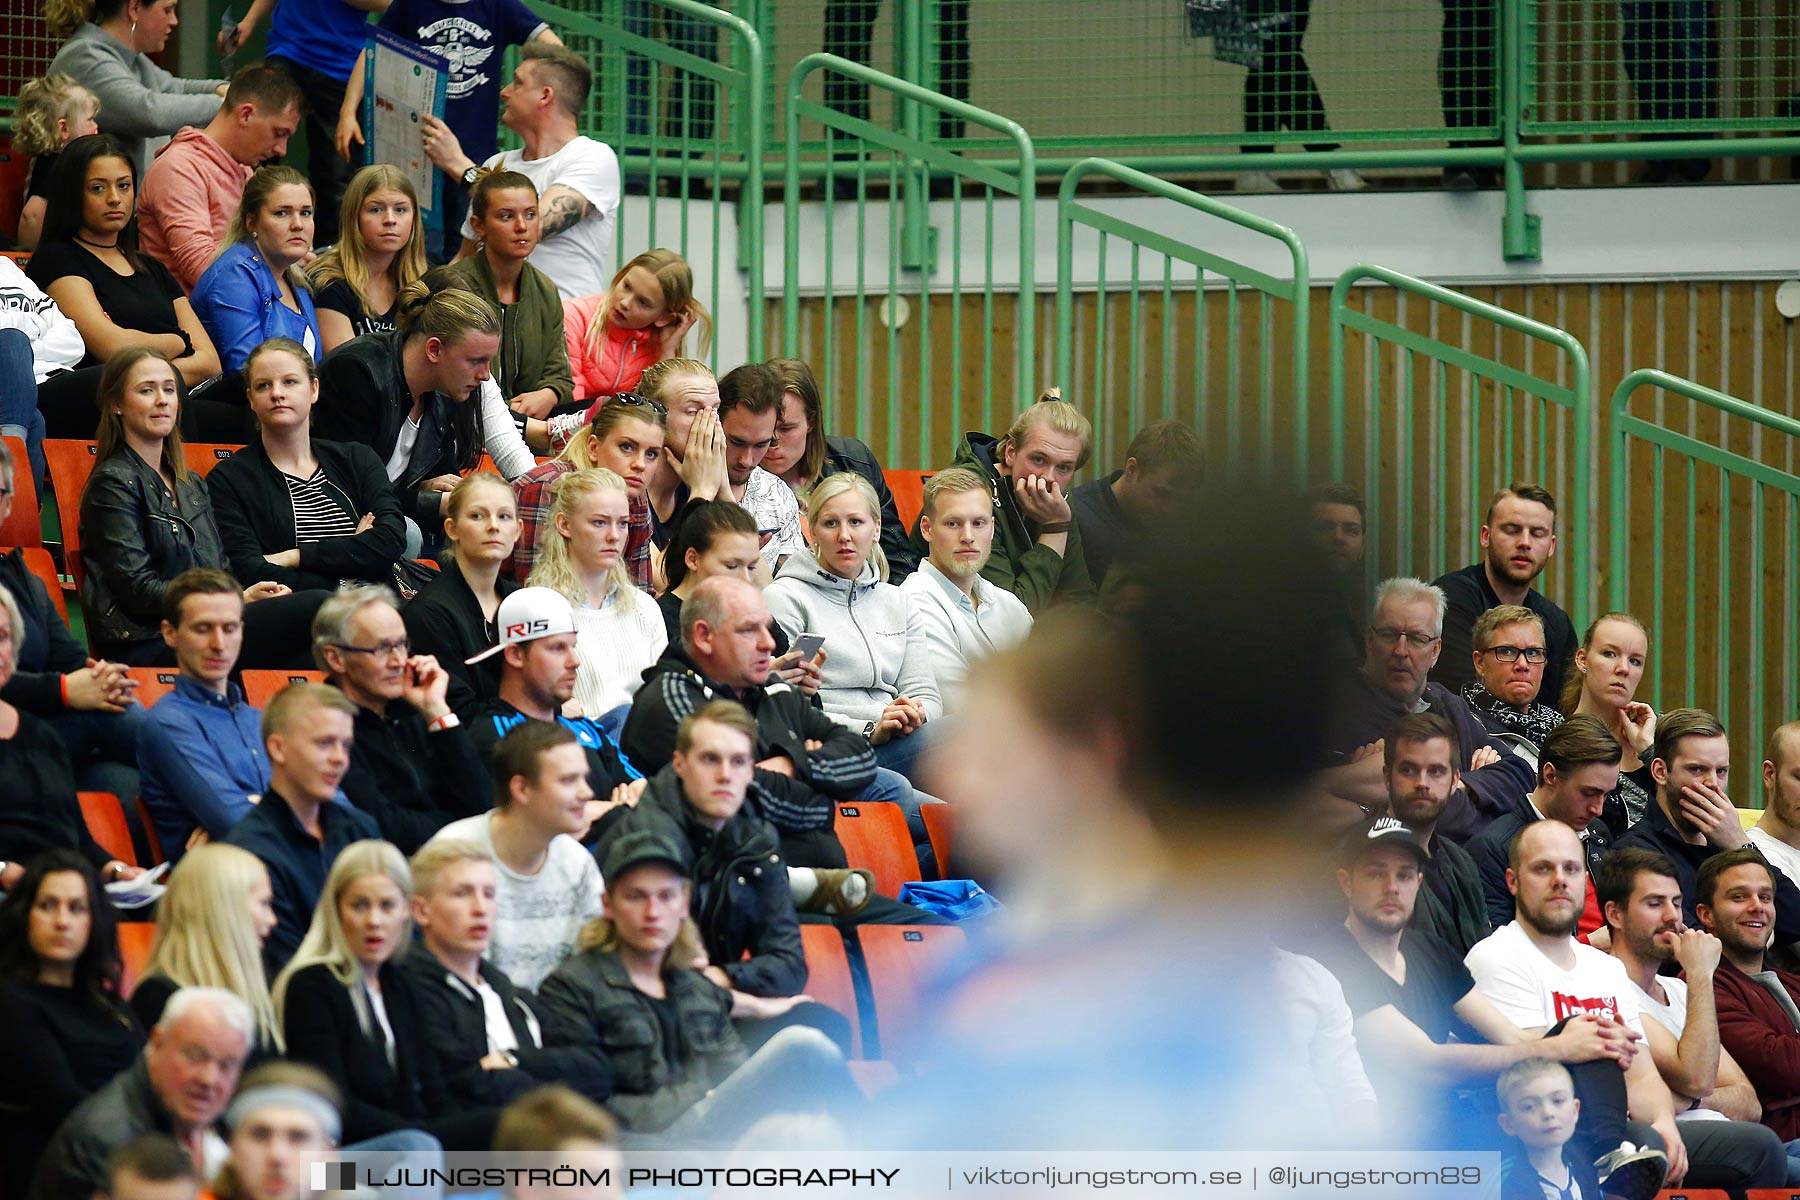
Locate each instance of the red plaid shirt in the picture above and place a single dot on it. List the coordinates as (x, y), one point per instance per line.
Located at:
(535, 497)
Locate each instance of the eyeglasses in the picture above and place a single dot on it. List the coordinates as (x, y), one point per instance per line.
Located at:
(379, 650)
(1510, 654)
(632, 398)
(1388, 636)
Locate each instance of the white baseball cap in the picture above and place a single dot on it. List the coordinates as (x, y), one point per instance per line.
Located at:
(527, 615)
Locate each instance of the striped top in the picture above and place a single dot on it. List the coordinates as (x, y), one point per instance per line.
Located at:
(316, 515)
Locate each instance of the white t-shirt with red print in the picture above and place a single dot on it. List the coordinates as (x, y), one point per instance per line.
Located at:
(1534, 993)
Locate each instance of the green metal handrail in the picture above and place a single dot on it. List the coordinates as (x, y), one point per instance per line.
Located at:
(1692, 452)
(1072, 211)
(1443, 356)
(911, 242)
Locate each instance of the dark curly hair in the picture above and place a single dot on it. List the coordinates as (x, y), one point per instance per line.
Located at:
(99, 968)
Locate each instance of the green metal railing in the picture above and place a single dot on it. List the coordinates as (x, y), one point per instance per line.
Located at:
(1108, 359)
(678, 88)
(1450, 424)
(900, 280)
(1686, 487)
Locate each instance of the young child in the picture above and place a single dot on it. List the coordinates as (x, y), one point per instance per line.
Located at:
(53, 111)
(643, 318)
(1539, 1108)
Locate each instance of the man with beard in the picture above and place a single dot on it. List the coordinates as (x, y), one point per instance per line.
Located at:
(1419, 757)
(1510, 656)
(1336, 512)
(1400, 647)
(1519, 538)
(1643, 916)
(1535, 972)
(1578, 767)
(1407, 989)
(1756, 1003)
(1693, 818)
(1777, 833)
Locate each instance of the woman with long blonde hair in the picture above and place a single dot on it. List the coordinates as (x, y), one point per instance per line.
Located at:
(644, 317)
(346, 1007)
(256, 289)
(211, 925)
(379, 251)
(618, 631)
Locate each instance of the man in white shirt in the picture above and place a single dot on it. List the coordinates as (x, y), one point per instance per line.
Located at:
(1536, 973)
(549, 887)
(577, 178)
(1777, 834)
(965, 618)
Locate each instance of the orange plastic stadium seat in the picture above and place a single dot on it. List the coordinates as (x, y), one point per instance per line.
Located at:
(153, 683)
(260, 686)
(875, 836)
(134, 949)
(202, 457)
(828, 976)
(901, 960)
(105, 817)
(23, 525)
(909, 493)
(148, 825)
(70, 462)
(940, 828)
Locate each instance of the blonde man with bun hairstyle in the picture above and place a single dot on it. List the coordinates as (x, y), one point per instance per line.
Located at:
(1037, 545)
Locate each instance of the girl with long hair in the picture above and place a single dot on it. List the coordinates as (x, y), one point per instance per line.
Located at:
(1609, 666)
(452, 617)
(618, 631)
(211, 926)
(644, 317)
(379, 251)
(346, 1008)
(256, 289)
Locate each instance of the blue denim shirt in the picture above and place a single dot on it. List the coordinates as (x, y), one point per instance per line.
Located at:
(200, 759)
(238, 301)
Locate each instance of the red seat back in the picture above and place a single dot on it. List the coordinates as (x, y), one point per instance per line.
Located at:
(901, 960)
(202, 457)
(24, 525)
(909, 493)
(38, 561)
(940, 828)
(875, 836)
(153, 683)
(260, 686)
(828, 976)
(105, 817)
(135, 938)
(70, 462)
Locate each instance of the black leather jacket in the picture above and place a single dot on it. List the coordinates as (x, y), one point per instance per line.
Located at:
(589, 1001)
(135, 538)
(741, 900)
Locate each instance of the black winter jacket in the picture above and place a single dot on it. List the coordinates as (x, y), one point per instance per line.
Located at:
(850, 454)
(589, 1001)
(674, 687)
(49, 651)
(256, 517)
(135, 537)
(412, 781)
(363, 397)
(741, 900)
(455, 1026)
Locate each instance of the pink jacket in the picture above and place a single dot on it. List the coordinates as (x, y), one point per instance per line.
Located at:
(622, 358)
(187, 201)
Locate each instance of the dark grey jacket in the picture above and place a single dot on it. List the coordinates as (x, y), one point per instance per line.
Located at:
(74, 1163)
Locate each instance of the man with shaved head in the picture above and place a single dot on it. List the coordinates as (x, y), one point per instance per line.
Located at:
(1777, 834)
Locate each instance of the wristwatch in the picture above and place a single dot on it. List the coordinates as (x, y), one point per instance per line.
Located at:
(471, 176)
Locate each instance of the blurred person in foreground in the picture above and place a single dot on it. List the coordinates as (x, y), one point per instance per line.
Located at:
(1125, 999)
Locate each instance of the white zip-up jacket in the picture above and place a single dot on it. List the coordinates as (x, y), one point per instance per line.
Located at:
(875, 647)
(56, 344)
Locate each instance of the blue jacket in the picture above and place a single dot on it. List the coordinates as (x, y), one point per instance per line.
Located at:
(200, 758)
(239, 303)
(297, 862)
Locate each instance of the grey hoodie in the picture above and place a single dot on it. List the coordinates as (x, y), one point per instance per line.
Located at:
(138, 99)
(875, 647)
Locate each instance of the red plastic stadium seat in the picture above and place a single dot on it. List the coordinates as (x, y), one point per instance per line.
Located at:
(260, 686)
(909, 493)
(23, 525)
(38, 561)
(105, 817)
(940, 827)
(1753, 1193)
(153, 683)
(828, 976)
(202, 457)
(148, 825)
(1721, 1194)
(134, 948)
(875, 836)
(70, 462)
(901, 959)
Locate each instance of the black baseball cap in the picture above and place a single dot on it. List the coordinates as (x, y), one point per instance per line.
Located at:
(642, 846)
(1382, 831)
